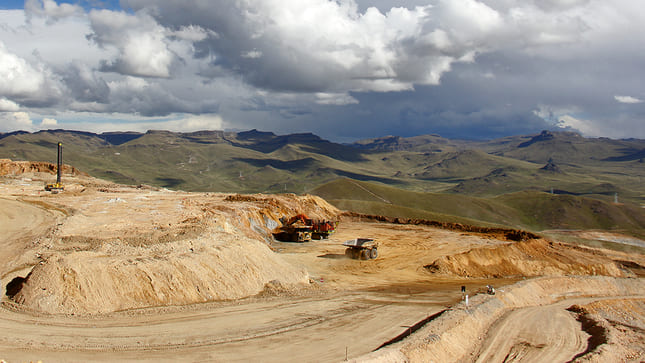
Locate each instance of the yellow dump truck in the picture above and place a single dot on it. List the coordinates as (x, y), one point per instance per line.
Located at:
(361, 248)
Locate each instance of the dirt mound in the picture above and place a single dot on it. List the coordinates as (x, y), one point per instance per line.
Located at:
(530, 258)
(9, 167)
(119, 277)
(128, 248)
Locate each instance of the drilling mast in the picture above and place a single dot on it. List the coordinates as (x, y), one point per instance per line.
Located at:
(58, 186)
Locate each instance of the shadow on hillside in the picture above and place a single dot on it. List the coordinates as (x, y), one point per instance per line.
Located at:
(292, 165)
(170, 182)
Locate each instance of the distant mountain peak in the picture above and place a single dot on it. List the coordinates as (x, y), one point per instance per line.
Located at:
(546, 135)
(254, 134)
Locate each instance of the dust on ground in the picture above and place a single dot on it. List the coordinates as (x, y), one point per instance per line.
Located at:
(104, 271)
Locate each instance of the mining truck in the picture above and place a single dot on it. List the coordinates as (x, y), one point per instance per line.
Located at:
(301, 228)
(361, 248)
(295, 229)
(58, 186)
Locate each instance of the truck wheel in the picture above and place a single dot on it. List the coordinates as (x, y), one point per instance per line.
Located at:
(365, 254)
(348, 252)
(374, 253)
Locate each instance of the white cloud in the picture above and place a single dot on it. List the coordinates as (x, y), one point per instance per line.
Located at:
(338, 99)
(128, 122)
(8, 105)
(48, 122)
(252, 54)
(17, 76)
(140, 41)
(586, 127)
(51, 10)
(196, 123)
(627, 99)
(12, 121)
(191, 33)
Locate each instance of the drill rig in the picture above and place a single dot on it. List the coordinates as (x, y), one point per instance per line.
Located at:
(58, 186)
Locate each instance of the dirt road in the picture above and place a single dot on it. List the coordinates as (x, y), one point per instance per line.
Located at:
(316, 328)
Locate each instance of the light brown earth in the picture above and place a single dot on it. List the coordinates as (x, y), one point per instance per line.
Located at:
(105, 272)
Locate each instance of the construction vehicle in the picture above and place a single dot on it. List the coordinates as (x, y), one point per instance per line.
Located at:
(58, 186)
(294, 229)
(323, 229)
(301, 228)
(361, 248)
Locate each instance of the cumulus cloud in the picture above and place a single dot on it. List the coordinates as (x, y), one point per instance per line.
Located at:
(321, 46)
(50, 9)
(48, 122)
(8, 105)
(627, 99)
(12, 121)
(25, 83)
(331, 46)
(141, 43)
(84, 84)
(17, 76)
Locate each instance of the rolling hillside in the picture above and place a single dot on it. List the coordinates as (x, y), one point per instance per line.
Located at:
(529, 210)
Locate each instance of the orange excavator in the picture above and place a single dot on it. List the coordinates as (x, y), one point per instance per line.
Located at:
(301, 228)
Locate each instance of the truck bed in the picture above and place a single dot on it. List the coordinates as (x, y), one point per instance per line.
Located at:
(359, 242)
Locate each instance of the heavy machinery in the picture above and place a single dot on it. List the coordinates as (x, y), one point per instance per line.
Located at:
(301, 228)
(361, 248)
(58, 186)
(295, 229)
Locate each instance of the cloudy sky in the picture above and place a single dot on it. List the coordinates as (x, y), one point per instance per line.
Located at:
(342, 69)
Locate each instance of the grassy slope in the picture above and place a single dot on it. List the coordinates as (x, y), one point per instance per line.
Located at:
(530, 210)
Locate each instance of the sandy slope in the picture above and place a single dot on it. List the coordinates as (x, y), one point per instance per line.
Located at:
(529, 258)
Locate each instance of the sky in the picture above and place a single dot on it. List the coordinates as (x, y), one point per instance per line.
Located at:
(341, 69)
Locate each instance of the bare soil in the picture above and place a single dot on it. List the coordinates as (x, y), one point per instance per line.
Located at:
(104, 272)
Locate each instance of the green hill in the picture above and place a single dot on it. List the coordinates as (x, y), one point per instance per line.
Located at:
(529, 210)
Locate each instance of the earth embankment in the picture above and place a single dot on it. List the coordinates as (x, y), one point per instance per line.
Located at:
(528, 258)
(117, 277)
